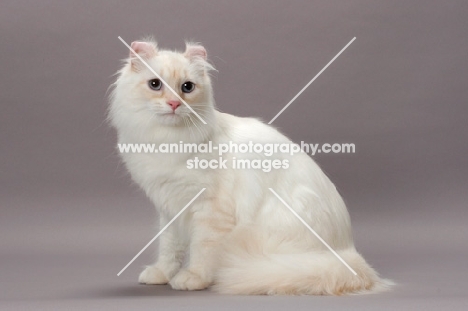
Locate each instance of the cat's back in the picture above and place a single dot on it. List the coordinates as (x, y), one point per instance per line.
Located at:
(245, 129)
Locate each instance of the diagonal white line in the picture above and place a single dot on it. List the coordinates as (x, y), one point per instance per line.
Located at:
(310, 82)
(159, 77)
(160, 232)
(313, 231)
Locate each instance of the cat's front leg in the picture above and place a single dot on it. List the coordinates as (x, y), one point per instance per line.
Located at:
(209, 225)
(171, 252)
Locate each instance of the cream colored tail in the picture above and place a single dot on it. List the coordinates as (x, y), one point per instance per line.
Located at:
(247, 270)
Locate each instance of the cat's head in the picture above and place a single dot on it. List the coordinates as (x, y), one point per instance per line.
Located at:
(169, 98)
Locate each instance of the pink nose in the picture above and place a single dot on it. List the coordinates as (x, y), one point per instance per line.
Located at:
(174, 104)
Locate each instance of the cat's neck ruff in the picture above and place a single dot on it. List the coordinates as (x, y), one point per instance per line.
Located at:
(189, 132)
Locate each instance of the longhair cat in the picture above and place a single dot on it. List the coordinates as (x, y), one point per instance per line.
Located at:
(237, 237)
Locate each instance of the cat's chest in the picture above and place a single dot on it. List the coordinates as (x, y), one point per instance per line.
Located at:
(160, 170)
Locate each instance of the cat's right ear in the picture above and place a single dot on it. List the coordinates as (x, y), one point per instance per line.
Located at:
(145, 50)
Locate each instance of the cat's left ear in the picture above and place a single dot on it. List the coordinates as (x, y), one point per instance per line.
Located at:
(195, 51)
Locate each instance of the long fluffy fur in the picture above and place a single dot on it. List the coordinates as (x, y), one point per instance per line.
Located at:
(248, 268)
(240, 238)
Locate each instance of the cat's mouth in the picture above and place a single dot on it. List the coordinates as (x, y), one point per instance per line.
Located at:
(170, 118)
(170, 114)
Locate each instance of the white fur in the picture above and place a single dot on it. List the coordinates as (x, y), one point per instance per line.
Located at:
(238, 236)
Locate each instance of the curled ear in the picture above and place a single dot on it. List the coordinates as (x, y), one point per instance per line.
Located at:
(195, 51)
(145, 50)
(197, 56)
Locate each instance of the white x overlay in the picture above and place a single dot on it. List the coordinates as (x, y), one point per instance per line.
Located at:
(277, 115)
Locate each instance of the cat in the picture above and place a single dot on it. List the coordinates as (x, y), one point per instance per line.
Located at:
(237, 237)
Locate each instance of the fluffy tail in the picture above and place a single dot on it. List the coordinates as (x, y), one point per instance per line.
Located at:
(247, 270)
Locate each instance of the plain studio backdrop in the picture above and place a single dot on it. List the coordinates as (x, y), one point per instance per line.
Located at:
(70, 217)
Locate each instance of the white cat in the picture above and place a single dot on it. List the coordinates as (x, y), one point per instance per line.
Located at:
(237, 236)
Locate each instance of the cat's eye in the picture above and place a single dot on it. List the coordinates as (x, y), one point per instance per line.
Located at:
(188, 87)
(155, 84)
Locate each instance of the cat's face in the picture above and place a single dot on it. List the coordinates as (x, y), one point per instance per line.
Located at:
(152, 99)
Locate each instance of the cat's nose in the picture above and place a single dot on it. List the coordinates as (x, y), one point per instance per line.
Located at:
(174, 104)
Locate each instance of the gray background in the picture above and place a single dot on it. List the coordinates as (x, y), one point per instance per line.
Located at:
(70, 218)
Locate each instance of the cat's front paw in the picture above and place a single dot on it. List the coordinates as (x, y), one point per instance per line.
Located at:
(152, 275)
(187, 280)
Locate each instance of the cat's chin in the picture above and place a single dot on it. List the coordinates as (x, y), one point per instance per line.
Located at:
(170, 119)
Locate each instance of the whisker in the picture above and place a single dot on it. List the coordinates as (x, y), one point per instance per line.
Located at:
(194, 123)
